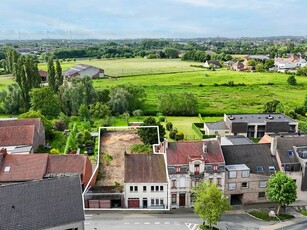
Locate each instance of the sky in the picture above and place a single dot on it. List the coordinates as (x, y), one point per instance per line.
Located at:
(122, 19)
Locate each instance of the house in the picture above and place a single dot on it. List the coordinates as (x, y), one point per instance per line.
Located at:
(69, 165)
(146, 182)
(252, 125)
(215, 63)
(44, 75)
(289, 150)
(291, 62)
(42, 204)
(248, 167)
(190, 162)
(229, 63)
(22, 135)
(82, 70)
(261, 58)
(237, 66)
(26, 167)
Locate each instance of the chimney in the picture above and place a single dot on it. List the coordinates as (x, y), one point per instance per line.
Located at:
(165, 144)
(273, 146)
(3, 153)
(205, 148)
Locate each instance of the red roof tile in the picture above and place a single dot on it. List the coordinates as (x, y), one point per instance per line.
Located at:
(43, 73)
(22, 122)
(23, 167)
(66, 163)
(178, 153)
(17, 135)
(145, 168)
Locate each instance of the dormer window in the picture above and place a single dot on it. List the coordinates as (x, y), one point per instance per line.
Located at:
(271, 168)
(196, 168)
(177, 169)
(259, 168)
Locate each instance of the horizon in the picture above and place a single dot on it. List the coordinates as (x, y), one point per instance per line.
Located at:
(162, 19)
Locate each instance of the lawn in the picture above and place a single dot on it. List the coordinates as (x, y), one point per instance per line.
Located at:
(134, 66)
(5, 80)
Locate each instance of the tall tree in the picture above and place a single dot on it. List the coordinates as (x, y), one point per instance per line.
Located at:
(281, 189)
(51, 75)
(210, 202)
(58, 75)
(11, 57)
(44, 100)
(150, 135)
(11, 100)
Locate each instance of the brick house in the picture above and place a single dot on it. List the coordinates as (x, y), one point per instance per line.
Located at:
(146, 182)
(237, 66)
(16, 133)
(248, 167)
(190, 162)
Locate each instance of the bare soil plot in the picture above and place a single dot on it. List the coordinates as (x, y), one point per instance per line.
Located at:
(115, 143)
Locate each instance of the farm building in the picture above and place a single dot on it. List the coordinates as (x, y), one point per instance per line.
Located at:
(82, 70)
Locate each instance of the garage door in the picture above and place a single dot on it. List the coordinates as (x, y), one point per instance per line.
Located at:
(133, 203)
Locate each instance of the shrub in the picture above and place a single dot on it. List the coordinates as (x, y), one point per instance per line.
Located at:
(54, 151)
(161, 118)
(169, 126)
(59, 125)
(304, 212)
(108, 158)
(201, 85)
(179, 136)
(172, 133)
(140, 148)
(265, 216)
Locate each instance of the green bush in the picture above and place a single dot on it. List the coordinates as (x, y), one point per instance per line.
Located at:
(304, 212)
(179, 136)
(169, 126)
(108, 158)
(140, 148)
(161, 118)
(265, 216)
(172, 133)
(54, 151)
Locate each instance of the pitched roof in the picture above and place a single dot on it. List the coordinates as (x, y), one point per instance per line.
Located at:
(41, 204)
(22, 122)
(145, 168)
(178, 153)
(215, 62)
(43, 73)
(236, 140)
(23, 167)
(66, 163)
(252, 156)
(17, 135)
(284, 144)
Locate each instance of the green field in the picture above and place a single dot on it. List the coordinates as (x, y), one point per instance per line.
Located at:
(134, 66)
(4, 81)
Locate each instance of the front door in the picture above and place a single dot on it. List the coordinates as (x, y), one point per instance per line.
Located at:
(182, 199)
(145, 203)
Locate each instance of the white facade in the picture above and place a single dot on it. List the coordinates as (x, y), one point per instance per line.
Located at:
(146, 195)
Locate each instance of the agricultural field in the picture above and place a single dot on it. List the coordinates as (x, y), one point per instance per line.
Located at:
(250, 92)
(134, 66)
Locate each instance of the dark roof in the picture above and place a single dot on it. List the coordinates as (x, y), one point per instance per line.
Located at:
(260, 57)
(215, 62)
(284, 144)
(17, 135)
(236, 140)
(145, 168)
(41, 204)
(219, 125)
(259, 117)
(23, 167)
(252, 155)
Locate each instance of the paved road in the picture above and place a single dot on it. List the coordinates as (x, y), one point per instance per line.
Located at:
(187, 221)
(141, 221)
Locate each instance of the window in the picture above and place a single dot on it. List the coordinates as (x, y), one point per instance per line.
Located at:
(196, 169)
(290, 153)
(232, 174)
(161, 188)
(215, 167)
(245, 173)
(271, 168)
(144, 188)
(244, 185)
(259, 168)
(161, 202)
(174, 198)
(157, 201)
(262, 184)
(182, 182)
(152, 201)
(210, 180)
(157, 188)
(177, 169)
(135, 188)
(131, 188)
(173, 183)
(231, 186)
(152, 188)
(261, 195)
(219, 181)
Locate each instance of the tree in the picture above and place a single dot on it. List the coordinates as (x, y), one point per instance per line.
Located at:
(209, 203)
(269, 63)
(126, 116)
(137, 113)
(73, 140)
(169, 126)
(259, 67)
(302, 71)
(251, 62)
(119, 100)
(99, 110)
(84, 113)
(150, 135)
(58, 75)
(282, 189)
(271, 106)
(171, 53)
(12, 102)
(44, 100)
(291, 80)
(11, 57)
(51, 75)
(178, 104)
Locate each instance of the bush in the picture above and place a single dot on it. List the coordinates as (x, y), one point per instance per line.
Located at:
(304, 212)
(140, 148)
(108, 158)
(59, 125)
(172, 133)
(201, 85)
(169, 126)
(179, 136)
(161, 118)
(265, 216)
(54, 151)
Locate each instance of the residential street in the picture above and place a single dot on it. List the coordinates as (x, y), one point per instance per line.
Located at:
(176, 221)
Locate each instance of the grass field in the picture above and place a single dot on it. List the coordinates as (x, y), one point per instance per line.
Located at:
(5, 80)
(134, 66)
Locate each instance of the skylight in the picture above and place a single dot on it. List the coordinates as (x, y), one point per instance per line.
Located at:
(271, 168)
(7, 169)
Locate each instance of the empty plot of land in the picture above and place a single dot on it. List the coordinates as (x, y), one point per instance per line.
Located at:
(115, 143)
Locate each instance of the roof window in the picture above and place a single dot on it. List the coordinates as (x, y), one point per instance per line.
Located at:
(259, 168)
(271, 168)
(7, 169)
